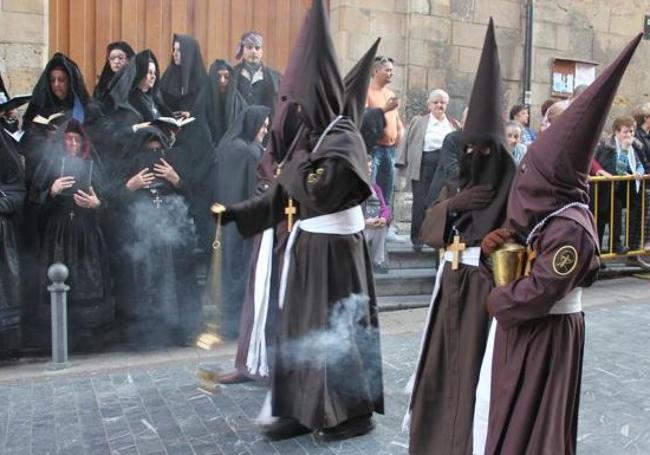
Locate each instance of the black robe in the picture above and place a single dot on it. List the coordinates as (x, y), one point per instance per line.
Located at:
(159, 288)
(447, 165)
(74, 236)
(235, 181)
(330, 293)
(12, 197)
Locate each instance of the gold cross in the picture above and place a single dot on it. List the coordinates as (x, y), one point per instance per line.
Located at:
(290, 211)
(456, 247)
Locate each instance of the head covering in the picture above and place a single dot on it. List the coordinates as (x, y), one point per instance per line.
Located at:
(74, 126)
(120, 85)
(189, 76)
(484, 122)
(247, 124)
(142, 60)
(356, 84)
(107, 73)
(319, 88)
(8, 103)
(554, 171)
(248, 38)
(222, 108)
(484, 130)
(45, 102)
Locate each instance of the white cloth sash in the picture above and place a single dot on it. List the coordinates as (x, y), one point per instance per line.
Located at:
(345, 222)
(570, 303)
(470, 256)
(257, 360)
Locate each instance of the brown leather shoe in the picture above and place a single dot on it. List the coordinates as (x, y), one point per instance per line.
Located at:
(234, 377)
(356, 426)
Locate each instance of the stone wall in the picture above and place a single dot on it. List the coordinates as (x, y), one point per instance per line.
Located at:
(23, 43)
(436, 43)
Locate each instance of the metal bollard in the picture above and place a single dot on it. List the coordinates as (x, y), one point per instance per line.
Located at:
(58, 273)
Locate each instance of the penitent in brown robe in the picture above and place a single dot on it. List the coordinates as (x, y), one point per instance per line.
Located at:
(442, 402)
(537, 359)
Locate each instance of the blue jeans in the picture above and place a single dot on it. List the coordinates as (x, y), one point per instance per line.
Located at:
(383, 170)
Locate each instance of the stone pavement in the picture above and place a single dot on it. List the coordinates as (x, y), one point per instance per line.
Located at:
(149, 403)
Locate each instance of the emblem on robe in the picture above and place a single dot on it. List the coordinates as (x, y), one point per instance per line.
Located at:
(565, 260)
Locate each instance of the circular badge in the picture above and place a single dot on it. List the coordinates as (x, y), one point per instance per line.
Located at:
(565, 260)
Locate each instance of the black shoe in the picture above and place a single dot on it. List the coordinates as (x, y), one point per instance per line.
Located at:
(284, 428)
(356, 426)
(417, 247)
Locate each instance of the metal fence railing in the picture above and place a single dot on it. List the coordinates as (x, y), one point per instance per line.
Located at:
(620, 207)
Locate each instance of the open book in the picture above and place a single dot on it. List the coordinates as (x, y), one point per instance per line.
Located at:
(171, 121)
(46, 121)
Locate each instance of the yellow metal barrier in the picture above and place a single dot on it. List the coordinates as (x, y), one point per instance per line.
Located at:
(621, 194)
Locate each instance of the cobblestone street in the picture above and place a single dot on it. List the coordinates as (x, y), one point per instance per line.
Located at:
(154, 407)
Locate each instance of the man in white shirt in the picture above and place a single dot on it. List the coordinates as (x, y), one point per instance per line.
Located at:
(420, 152)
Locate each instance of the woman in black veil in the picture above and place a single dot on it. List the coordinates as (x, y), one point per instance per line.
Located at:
(118, 54)
(235, 181)
(12, 198)
(160, 294)
(68, 188)
(224, 102)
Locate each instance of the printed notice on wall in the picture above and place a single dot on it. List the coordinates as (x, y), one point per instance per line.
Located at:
(585, 74)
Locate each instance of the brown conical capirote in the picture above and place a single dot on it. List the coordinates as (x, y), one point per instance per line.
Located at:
(484, 122)
(554, 171)
(356, 83)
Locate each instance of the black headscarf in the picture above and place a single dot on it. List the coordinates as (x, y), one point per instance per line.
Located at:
(181, 84)
(137, 97)
(222, 109)
(247, 124)
(107, 73)
(45, 103)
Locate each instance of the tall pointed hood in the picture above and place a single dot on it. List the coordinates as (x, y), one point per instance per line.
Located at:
(484, 122)
(554, 171)
(319, 90)
(356, 84)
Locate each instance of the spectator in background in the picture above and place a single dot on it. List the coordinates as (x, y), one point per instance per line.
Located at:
(642, 134)
(383, 152)
(521, 114)
(420, 152)
(378, 217)
(617, 155)
(514, 131)
(546, 104)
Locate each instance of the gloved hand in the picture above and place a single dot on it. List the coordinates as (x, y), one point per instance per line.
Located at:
(495, 239)
(474, 198)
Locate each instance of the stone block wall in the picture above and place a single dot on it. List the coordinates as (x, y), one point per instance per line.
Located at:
(23, 43)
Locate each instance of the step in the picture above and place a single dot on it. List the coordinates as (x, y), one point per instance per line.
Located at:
(398, 282)
(402, 256)
(403, 302)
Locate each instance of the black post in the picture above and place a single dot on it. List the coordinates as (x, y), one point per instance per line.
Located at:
(528, 54)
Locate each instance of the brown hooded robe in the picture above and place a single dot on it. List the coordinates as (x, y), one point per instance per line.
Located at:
(327, 363)
(442, 403)
(537, 357)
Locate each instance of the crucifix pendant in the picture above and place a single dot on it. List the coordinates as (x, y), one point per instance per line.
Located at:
(456, 248)
(71, 215)
(157, 200)
(290, 211)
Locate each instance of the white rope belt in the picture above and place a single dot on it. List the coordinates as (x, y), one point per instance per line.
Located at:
(345, 222)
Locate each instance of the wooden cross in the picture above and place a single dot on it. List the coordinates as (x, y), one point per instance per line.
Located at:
(456, 247)
(290, 211)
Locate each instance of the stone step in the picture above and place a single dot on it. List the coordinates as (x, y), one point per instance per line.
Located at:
(402, 256)
(403, 302)
(399, 282)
